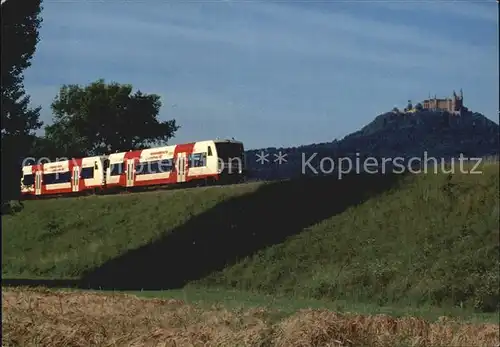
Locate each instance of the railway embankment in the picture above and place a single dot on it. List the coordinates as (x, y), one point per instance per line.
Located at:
(413, 240)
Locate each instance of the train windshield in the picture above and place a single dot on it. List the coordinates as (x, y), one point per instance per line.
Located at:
(228, 151)
(28, 180)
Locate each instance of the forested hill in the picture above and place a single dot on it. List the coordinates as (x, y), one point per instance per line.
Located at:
(391, 135)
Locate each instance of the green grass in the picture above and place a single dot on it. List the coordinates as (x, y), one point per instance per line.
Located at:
(432, 242)
(288, 305)
(61, 238)
(282, 306)
(426, 243)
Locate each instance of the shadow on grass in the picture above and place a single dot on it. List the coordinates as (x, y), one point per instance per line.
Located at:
(234, 229)
(12, 207)
(23, 282)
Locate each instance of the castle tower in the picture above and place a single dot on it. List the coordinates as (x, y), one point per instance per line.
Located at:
(457, 103)
(460, 103)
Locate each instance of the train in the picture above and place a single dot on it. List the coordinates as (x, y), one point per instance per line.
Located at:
(196, 163)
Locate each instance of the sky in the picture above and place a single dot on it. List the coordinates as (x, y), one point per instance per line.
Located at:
(271, 73)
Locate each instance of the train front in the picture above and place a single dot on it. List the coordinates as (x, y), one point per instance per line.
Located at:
(231, 158)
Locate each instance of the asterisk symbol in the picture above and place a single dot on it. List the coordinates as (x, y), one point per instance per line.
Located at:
(280, 158)
(262, 157)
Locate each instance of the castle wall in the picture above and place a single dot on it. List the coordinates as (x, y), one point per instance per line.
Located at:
(449, 104)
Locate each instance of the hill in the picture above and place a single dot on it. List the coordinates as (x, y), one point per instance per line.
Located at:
(411, 240)
(390, 135)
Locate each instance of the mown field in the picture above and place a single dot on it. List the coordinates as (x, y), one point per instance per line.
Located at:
(42, 317)
(425, 245)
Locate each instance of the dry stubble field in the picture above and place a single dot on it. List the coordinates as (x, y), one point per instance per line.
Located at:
(48, 318)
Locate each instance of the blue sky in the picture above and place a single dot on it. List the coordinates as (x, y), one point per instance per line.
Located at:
(282, 73)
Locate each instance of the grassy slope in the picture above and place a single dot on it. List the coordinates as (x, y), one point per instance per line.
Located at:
(434, 242)
(424, 241)
(61, 238)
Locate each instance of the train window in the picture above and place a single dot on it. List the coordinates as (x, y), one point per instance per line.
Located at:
(146, 168)
(229, 151)
(87, 172)
(57, 177)
(117, 169)
(192, 159)
(197, 160)
(209, 151)
(153, 167)
(165, 165)
(140, 168)
(28, 180)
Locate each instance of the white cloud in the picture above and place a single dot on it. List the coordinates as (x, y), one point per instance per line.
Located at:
(286, 30)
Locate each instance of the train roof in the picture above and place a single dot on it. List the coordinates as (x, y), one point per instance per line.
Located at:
(226, 141)
(113, 155)
(177, 144)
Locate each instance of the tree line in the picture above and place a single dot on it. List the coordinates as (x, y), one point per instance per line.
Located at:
(102, 118)
(93, 119)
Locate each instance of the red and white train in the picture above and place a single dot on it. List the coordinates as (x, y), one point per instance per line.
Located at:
(202, 162)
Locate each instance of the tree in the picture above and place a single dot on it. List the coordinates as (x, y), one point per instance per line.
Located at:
(20, 24)
(43, 148)
(104, 118)
(419, 107)
(410, 106)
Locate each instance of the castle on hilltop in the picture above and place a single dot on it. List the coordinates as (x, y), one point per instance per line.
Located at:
(454, 105)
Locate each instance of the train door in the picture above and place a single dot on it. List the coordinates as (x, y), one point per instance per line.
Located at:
(75, 179)
(105, 172)
(130, 172)
(38, 182)
(181, 167)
